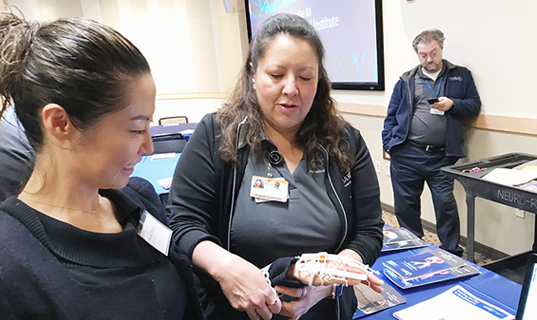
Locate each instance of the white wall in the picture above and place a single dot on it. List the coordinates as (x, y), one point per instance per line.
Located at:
(176, 36)
(494, 39)
(193, 109)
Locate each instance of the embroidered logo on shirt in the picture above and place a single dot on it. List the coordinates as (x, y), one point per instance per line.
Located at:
(317, 171)
(457, 78)
(347, 179)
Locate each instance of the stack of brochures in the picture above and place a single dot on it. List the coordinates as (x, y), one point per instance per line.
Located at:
(429, 266)
(399, 238)
(532, 184)
(523, 176)
(455, 303)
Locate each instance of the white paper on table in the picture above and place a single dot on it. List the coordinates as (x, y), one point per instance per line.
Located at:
(455, 303)
(527, 166)
(166, 183)
(187, 131)
(161, 156)
(510, 177)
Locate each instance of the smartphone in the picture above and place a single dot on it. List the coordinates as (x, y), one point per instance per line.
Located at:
(431, 101)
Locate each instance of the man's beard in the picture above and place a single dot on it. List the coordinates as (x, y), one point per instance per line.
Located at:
(432, 67)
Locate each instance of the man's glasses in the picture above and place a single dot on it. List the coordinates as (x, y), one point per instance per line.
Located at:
(424, 56)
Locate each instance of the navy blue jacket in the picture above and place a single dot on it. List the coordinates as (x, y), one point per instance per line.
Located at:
(460, 88)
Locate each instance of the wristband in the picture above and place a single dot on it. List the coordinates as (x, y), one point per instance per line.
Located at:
(337, 290)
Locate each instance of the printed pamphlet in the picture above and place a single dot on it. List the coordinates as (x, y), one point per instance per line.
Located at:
(399, 238)
(452, 267)
(370, 301)
(455, 303)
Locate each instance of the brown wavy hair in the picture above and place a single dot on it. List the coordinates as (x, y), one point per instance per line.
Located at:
(321, 126)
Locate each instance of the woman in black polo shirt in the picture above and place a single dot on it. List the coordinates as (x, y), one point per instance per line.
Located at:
(320, 191)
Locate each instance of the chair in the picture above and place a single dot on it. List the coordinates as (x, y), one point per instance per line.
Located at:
(172, 120)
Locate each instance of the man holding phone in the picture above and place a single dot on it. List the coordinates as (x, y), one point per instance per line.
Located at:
(423, 132)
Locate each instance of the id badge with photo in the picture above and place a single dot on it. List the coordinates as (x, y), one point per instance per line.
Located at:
(269, 189)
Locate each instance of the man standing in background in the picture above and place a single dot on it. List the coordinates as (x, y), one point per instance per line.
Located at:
(423, 132)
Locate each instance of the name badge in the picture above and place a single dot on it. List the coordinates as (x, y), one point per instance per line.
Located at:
(154, 232)
(269, 189)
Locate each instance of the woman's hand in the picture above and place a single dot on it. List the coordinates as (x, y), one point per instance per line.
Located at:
(247, 289)
(374, 282)
(242, 283)
(306, 298)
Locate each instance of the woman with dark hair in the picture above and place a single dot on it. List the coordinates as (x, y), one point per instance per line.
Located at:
(73, 245)
(281, 124)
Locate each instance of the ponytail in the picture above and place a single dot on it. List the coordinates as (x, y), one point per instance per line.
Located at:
(16, 36)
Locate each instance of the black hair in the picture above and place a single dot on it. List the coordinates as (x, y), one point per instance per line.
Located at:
(80, 64)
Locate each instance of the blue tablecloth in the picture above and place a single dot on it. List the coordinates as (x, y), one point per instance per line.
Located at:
(489, 286)
(154, 170)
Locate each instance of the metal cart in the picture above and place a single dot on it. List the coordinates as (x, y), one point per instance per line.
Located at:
(470, 176)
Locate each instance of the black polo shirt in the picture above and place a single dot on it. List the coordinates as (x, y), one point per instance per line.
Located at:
(425, 127)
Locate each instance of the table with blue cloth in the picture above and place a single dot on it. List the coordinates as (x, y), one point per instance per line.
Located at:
(488, 286)
(157, 167)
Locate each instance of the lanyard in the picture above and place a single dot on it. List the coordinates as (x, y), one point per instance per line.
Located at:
(430, 88)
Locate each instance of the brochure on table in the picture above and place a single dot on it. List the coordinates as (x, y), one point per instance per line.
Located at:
(523, 176)
(455, 303)
(399, 238)
(429, 266)
(532, 184)
(370, 301)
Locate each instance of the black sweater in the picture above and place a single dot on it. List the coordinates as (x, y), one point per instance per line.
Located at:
(40, 272)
